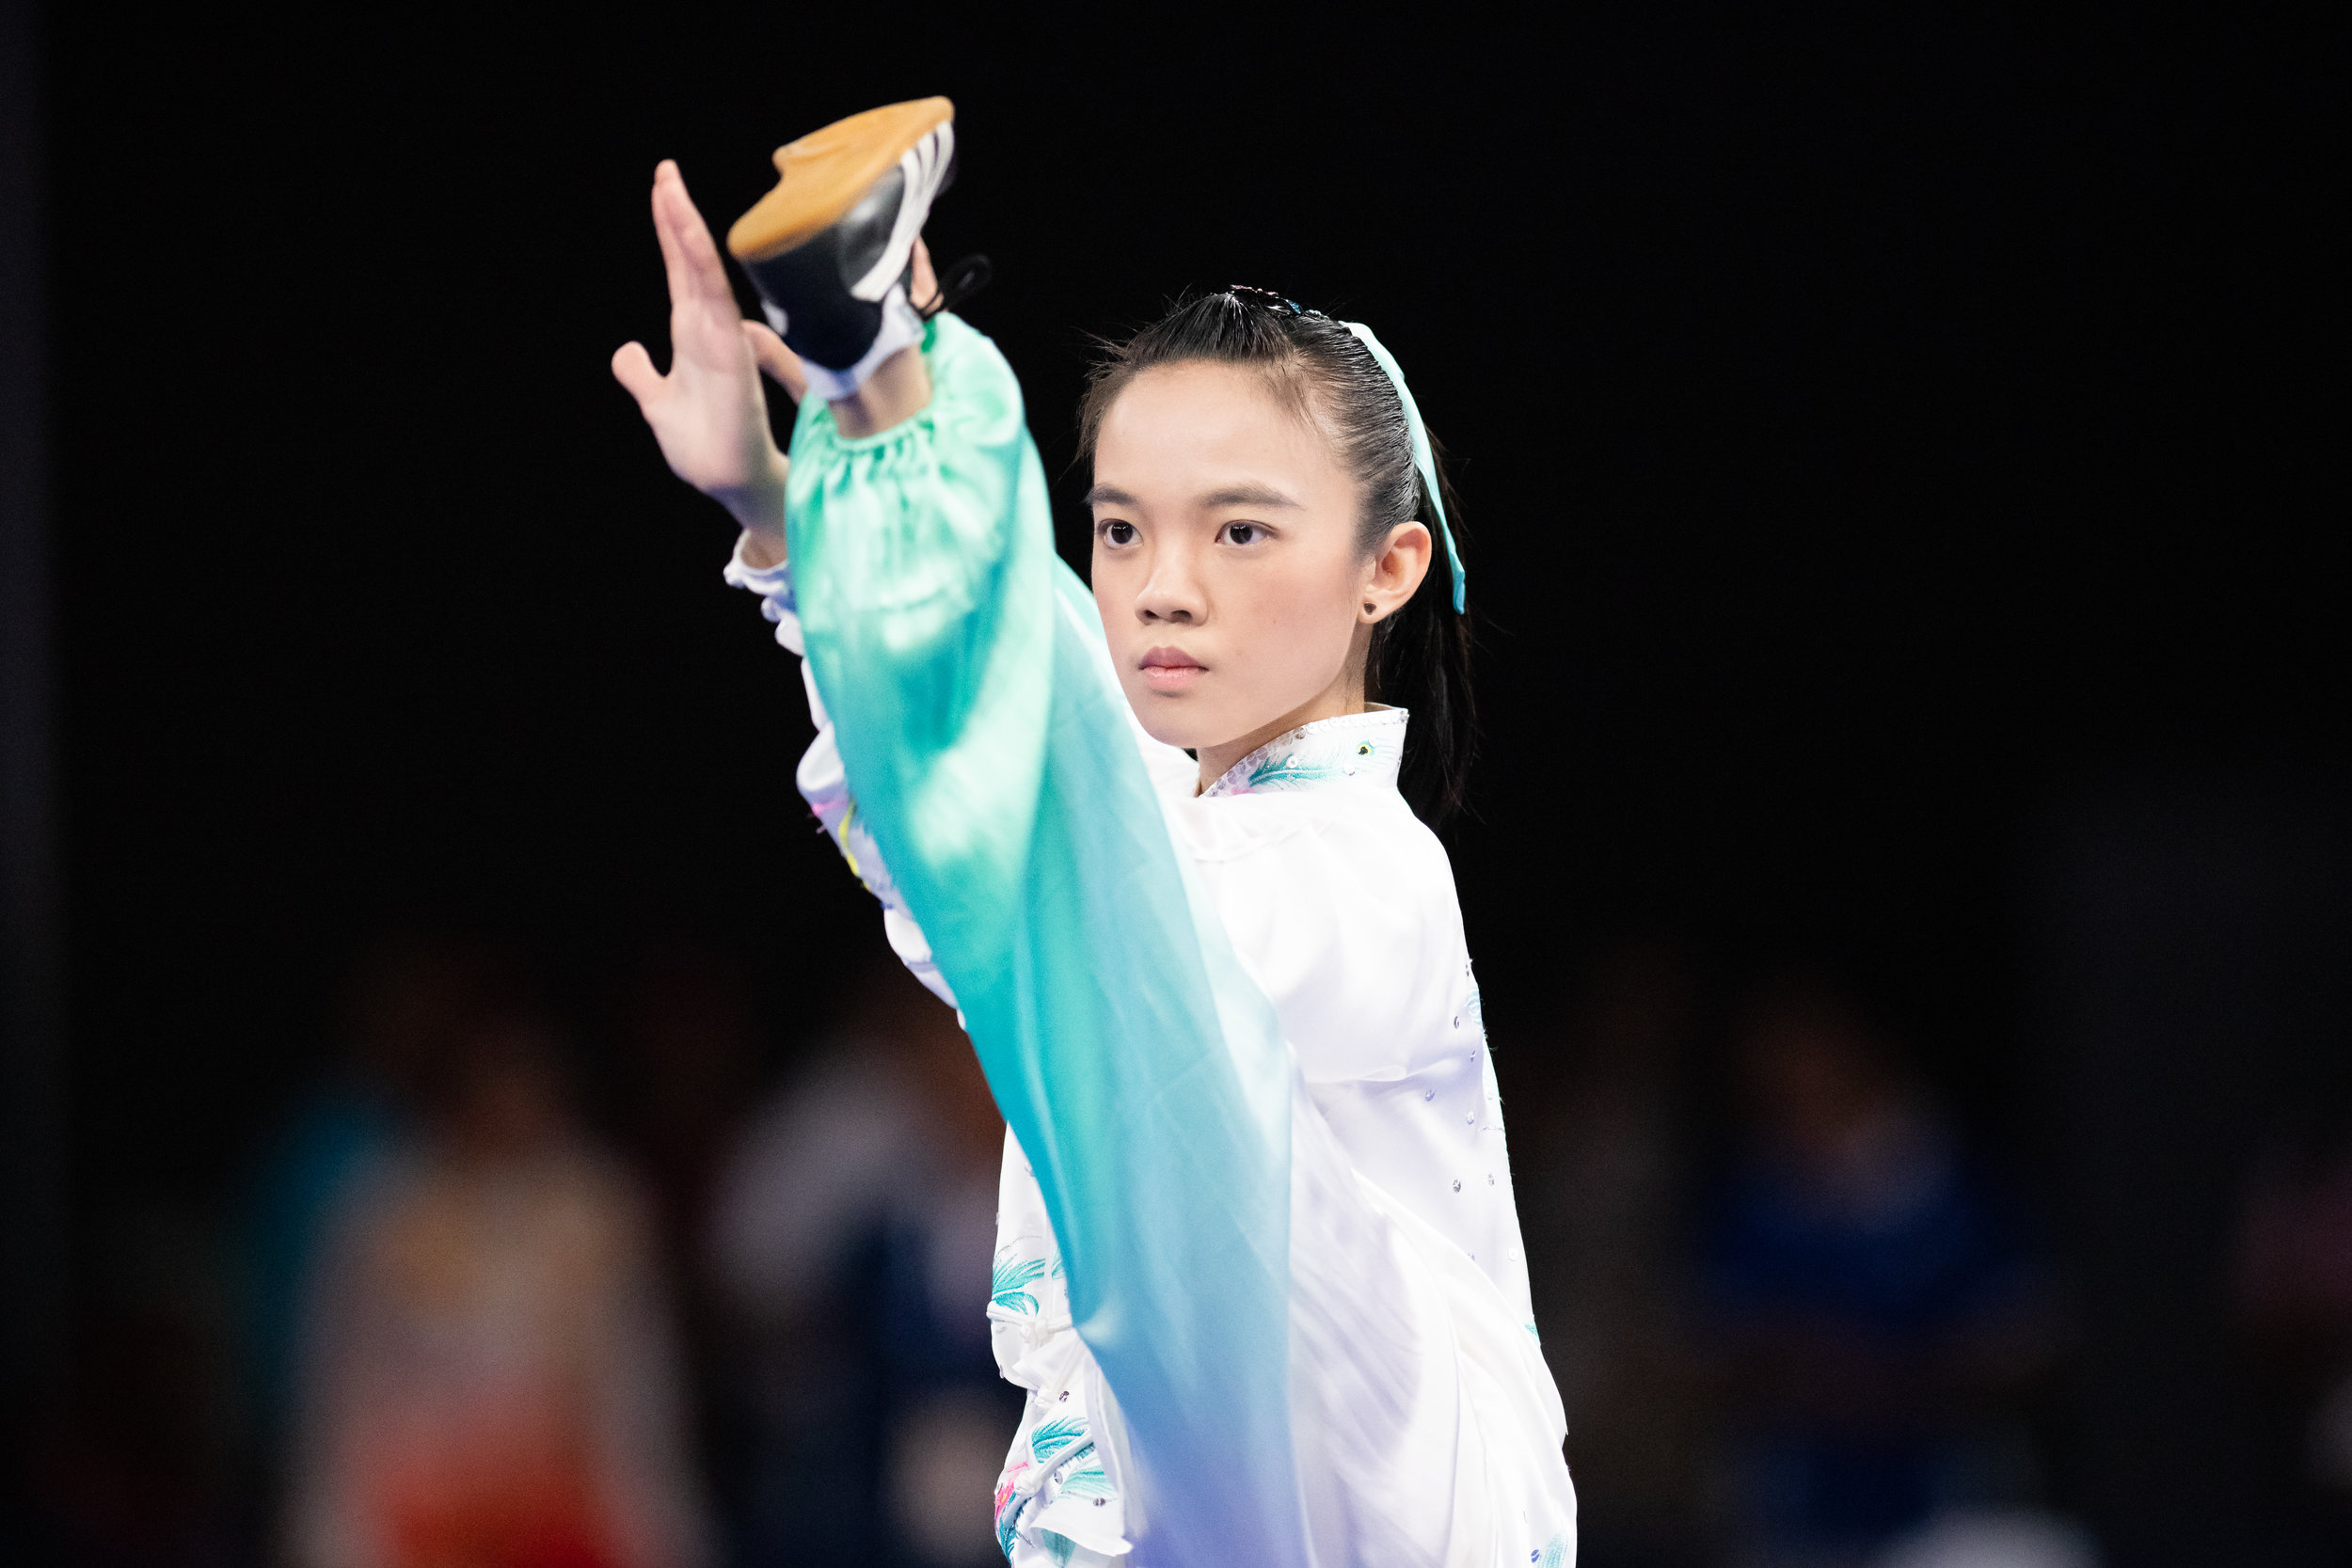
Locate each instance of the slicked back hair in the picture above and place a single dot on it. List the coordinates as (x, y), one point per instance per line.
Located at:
(1420, 656)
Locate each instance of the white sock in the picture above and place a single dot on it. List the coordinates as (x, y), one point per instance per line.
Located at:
(901, 327)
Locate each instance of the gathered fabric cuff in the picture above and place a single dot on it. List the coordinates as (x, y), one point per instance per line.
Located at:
(773, 584)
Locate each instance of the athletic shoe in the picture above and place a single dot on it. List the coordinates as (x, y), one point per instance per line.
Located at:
(832, 248)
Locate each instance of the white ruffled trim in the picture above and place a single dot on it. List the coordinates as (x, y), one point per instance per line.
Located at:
(773, 584)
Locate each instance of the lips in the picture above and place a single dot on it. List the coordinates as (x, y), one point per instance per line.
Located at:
(1171, 669)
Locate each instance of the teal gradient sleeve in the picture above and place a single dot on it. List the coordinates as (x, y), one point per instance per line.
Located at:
(988, 748)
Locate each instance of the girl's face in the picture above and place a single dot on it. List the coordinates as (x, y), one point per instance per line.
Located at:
(1236, 600)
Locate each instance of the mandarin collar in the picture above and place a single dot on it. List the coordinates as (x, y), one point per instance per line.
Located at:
(1355, 748)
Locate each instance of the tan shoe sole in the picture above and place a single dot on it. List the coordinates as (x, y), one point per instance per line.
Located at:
(826, 171)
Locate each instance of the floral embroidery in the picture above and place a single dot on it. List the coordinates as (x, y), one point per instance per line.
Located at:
(1060, 1461)
(1054, 1475)
(1366, 748)
(1007, 1506)
(1056, 1435)
(1010, 1274)
(1083, 1476)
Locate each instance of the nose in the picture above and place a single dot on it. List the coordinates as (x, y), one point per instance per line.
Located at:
(1172, 592)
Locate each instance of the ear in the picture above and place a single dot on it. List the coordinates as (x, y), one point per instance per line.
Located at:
(1395, 571)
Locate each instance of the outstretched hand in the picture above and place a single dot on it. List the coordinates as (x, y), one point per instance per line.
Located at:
(708, 413)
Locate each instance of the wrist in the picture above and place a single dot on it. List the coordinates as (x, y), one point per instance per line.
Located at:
(757, 506)
(760, 548)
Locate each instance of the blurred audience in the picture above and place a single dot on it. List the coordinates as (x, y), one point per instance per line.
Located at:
(1994, 1538)
(854, 1227)
(477, 1341)
(1874, 1302)
(690, 1058)
(487, 1376)
(407, 996)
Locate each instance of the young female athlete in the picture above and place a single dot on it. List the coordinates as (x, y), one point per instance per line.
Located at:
(1258, 1264)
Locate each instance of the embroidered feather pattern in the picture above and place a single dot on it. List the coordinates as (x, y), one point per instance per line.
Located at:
(1287, 772)
(1008, 1276)
(1083, 1475)
(1056, 1435)
(1365, 747)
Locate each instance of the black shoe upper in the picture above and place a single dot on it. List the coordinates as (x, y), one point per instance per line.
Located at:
(810, 283)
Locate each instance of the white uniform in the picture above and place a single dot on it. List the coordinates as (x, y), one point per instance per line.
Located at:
(1427, 1424)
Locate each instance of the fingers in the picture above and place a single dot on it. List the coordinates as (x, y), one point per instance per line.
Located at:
(687, 250)
(664, 231)
(632, 367)
(777, 362)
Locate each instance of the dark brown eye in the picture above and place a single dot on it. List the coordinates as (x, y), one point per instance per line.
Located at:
(1241, 533)
(1117, 532)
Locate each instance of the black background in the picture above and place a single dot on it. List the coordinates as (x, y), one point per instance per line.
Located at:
(1879, 424)
(1873, 421)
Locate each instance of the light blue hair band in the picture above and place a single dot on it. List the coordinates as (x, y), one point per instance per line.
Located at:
(1423, 459)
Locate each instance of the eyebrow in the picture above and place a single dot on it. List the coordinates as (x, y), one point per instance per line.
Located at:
(1247, 495)
(1232, 494)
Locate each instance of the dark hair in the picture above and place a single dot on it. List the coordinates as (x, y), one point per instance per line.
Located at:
(1420, 656)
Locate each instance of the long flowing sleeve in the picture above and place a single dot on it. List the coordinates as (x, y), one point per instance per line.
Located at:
(985, 748)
